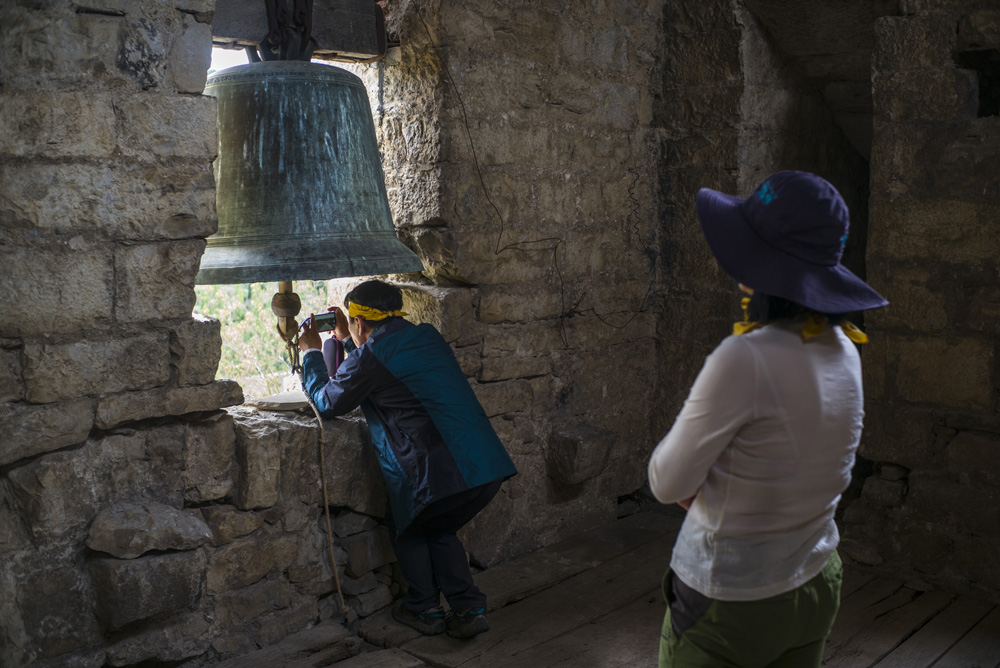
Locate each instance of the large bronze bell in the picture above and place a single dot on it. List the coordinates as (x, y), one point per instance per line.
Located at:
(300, 189)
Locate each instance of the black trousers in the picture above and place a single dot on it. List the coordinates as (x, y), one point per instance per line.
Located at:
(432, 558)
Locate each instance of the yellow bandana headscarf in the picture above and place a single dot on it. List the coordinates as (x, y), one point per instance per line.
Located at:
(813, 327)
(371, 314)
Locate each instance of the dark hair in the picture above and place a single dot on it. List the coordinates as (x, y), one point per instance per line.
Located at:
(376, 294)
(768, 308)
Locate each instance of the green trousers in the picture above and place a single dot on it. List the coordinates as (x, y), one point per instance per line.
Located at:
(784, 631)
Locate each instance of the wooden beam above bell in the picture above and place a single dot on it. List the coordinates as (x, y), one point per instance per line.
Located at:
(345, 30)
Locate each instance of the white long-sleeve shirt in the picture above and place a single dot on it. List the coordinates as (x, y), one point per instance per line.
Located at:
(766, 439)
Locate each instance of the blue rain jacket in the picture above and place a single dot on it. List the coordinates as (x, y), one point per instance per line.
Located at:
(430, 432)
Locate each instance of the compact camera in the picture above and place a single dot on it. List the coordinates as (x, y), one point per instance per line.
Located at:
(325, 322)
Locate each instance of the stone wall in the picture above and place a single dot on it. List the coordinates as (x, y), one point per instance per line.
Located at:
(139, 523)
(517, 142)
(932, 371)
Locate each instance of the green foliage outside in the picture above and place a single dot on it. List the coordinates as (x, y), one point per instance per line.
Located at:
(252, 352)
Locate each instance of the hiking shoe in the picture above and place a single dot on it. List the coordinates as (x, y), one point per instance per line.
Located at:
(466, 624)
(430, 622)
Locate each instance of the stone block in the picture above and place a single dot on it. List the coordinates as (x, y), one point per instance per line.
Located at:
(975, 454)
(52, 607)
(979, 30)
(129, 530)
(236, 609)
(919, 299)
(127, 590)
(37, 51)
(372, 601)
(932, 229)
(55, 289)
(13, 536)
(883, 493)
(925, 96)
(367, 551)
(248, 560)
(935, 499)
(191, 56)
(451, 310)
(43, 124)
(180, 636)
(156, 281)
(348, 523)
(208, 459)
(228, 523)
(11, 382)
(506, 368)
(54, 372)
(60, 494)
(504, 397)
(279, 625)
(898, 433)
(134, 406)
(956, 372)
(358, 586)
(142, 52)
(125, 201)
(168, 126)
(258, 464)
(912, 42)
(29, 430)
(518, 304)
(577, 453)
(197, 345)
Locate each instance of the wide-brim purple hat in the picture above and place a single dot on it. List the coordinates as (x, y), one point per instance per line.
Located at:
(786, 240)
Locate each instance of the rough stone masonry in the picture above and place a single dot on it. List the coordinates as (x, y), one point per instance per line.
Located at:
(542, 158)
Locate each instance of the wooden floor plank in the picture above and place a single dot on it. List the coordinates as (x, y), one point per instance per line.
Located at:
(628, 636)
(869, 633)
(324, 644)
(854, 580)
(535, 572)
(512, 581)
(980, 648)
(386, 658)
(926, 646)
(553, 612)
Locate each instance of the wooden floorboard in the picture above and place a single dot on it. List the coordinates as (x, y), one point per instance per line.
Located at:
(628, 636)
(925, 647)
(553, 612)
(980, 648)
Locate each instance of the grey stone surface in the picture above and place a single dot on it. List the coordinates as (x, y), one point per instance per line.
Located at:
(60, 494)
(128, 530)
(578, 453)
(258, 461)
(198, 347)
(118, 409)
(348, 523)
(35, 280)
(178, 637)
(112, 200)
(54, 372)
(11, 382)
(370, 602)
(228, 523)
(190, 56)
(236, 609)
(56, 125)
(208, 458)
(127, 590)
(30, 430)
(247, 560)
(367, 551)
(154, 281)
(168, 126)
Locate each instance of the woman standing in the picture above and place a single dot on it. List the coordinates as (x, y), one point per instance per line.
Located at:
(764, 445)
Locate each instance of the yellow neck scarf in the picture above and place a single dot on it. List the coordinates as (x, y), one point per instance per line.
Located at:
(371, 314)
(813, 327)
